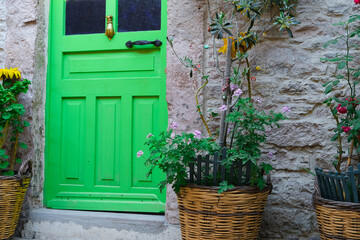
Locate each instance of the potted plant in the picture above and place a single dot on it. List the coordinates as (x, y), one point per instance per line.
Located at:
(337, 197)
(14, 180)
(217, 174)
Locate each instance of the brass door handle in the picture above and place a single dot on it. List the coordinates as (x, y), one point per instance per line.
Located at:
(109, 32)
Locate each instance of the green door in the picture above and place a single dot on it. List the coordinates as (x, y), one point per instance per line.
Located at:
(103, 99)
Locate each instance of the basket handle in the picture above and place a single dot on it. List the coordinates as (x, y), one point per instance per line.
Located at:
(25, 166)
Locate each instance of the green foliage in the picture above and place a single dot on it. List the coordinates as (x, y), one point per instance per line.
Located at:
(249, 132)
(224, 186)
(345, 109)
(173, 153)
(219, 25)
(234, 22)
(11, 124)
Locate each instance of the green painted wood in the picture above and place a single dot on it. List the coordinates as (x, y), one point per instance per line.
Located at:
(103, 99)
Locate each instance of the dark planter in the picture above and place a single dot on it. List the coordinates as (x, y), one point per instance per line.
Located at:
(336, 201)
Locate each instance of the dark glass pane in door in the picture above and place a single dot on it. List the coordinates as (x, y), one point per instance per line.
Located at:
(85, 16)
(139, 15)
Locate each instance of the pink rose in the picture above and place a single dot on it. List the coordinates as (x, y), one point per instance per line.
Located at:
(357, 1)
(340, 109)
(346, 129)
(354, 101)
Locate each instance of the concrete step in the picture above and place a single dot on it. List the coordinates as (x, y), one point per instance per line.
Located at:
(53, 224)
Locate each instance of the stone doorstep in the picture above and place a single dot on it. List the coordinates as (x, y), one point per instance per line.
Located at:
(53, 224)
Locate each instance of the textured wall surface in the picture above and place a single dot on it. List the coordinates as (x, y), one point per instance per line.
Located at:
(291, 75)
(2, 32)
(26, 35)
(185, 25)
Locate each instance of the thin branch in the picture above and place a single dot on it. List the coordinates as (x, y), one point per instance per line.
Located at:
(222, 134)
(5, 133)
(14, 151)
(216, 59)
(340, 142)
(177, 56)
(347, 61)
(350, 154)
(248, 76)
(199, 108)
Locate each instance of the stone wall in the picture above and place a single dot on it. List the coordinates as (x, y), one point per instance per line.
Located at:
(291, 75)
(25, 44)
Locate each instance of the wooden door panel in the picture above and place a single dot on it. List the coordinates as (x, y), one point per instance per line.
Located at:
(72, 140)
(108, 142)
(119, 65)
(103, 99)
(145, 121)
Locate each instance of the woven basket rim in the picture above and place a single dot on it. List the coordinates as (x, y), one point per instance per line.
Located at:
(15, 177)
(245, 189)
(339, 205)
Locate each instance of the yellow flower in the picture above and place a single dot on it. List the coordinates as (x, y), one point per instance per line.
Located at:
(12, 73)
(243, 43)
(224, 48)
(258, 68)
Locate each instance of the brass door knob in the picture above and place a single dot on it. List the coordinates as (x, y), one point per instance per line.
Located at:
(109, 32)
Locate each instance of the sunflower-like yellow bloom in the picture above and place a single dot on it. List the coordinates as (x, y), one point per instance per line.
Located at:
(241, 42)
(224, 48)
(12, 73)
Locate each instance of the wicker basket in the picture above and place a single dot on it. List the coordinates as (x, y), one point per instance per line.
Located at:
(12, 193)
(235, 214)
(337, 220)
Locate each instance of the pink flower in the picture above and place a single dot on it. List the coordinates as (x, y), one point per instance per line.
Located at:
(223, 108)
(341, 110)
(229, 130)
(174, 125)
(354, 101)
(258, 100)
(189, 141)
(198, 134)
(270, 154)
(286, 109)
(149, 135)
(346, 129)
(140, 153)
(238, 92)
(357, 1)
(233, 87)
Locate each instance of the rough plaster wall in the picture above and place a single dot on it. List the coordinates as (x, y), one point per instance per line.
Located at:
(185, 24)
(292, 75)
(25, 48)
(2, 32)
